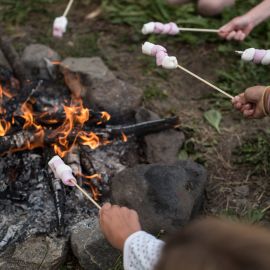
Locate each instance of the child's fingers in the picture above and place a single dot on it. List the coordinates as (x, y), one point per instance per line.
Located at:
(238, 105)
(231, 35)
(246, 107)
(239, 35)
(248, 113)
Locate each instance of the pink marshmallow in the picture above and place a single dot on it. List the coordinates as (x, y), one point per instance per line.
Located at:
(259, 55)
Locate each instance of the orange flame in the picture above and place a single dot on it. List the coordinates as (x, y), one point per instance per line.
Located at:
(89, 139)
(76, 115)
(28, 117)
(4, 127)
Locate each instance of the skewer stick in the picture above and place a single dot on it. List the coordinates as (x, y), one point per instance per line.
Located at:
(68, 8)
(183, 29)
(206, 82)
(239, 52)
(86, 194)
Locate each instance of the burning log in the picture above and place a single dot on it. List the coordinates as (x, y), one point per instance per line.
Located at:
(14, 60)
(139, 129)
(73, 160)
(49, 118)
(15, 103)
(30, 139)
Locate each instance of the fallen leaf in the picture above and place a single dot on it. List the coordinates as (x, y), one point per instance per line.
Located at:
(213, 117)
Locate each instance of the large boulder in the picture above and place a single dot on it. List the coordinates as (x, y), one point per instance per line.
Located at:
(165, 196)
(38, 59)
(100, 88)
(37, 252)
(90, 247)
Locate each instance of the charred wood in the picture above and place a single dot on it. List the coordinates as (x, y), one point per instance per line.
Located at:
(14, 60)
(140, 129)
(73, 160)
(59, 200)
(29, 139)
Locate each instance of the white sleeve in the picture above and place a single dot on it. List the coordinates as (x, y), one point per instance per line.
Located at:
(142, 251)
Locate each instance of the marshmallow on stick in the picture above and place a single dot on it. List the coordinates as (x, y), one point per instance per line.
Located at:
(170, 29)
(170, 62)
(64, 173)
(256, 56)
(60, 23)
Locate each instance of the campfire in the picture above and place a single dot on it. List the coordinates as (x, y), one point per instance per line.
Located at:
(40, 119)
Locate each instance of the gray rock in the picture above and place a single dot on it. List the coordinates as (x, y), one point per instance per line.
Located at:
(144, 114)
(102, 90)
(90, 247)
(91, 69)
(33, 59)
(3, 61)
(165, 196)
(161, 147)
(39, 252)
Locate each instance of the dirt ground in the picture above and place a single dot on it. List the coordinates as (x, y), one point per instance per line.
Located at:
(233, 189)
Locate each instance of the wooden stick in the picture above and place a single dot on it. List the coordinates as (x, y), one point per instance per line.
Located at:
(239, 52)
(206, 82)
(68, 8)
(86, 195)
(198, 30)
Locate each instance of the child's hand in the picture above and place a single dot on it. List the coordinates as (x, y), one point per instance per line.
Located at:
(118, 223)
(252, 102)
(237, 29)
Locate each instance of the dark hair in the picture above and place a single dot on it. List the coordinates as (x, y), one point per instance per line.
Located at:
(212, 244)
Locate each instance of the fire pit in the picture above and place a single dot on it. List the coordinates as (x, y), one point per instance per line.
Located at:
(41, 118)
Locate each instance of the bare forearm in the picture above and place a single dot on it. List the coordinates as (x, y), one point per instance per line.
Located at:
(259, 13)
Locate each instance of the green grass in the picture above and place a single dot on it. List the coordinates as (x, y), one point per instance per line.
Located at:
(250, 216)
(17, 12)
(255, 152)
(153, 92)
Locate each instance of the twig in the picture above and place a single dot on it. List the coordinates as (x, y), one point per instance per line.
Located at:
(68, 8)
(206, 82)
(86, 194)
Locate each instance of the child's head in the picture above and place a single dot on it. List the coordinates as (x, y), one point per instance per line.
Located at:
(212, 244)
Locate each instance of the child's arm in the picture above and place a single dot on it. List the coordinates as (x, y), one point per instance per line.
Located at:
(254, 102)
(240, 27)
(122, 229)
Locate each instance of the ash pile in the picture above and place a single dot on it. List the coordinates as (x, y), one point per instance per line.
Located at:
(120, 152)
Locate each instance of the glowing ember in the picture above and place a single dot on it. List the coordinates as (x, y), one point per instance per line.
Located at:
(124, 137)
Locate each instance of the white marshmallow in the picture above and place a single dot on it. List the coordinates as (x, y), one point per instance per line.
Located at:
(248, 54)
(148, 28)
(61, 170)
(266, 59)
(170, 62)
(147, 48)
(60, 26)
